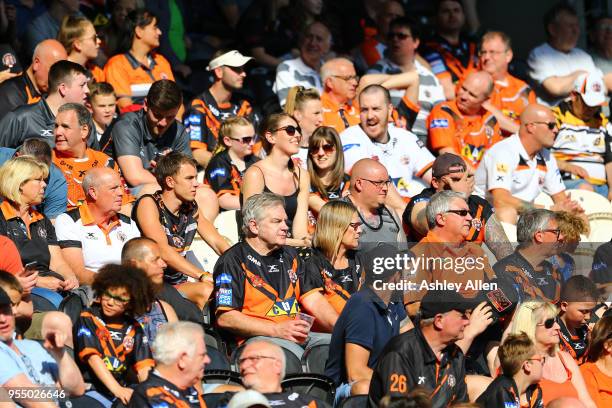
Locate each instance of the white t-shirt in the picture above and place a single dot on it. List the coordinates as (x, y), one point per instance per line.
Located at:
(506, 165)
(404, 155)
(295, 73)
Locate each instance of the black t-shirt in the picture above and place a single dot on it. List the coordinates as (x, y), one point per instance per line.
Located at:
(576, 345)
(502, 392)
(158, 392)
(601, 271)
(222, 174)
(16, 92)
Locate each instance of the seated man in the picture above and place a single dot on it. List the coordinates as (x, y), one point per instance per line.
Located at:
(260, 283)
(450, 173)
(170, 217)
(340, 88)
(93, 234)
(582, 146)
(72, 155)
(49, 366)
(412, 359)
(180, 357)
(517, 169)
(527, 268)
(464, 126)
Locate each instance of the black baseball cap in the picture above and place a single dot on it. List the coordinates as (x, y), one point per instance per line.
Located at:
(448, 163)
(441, 301)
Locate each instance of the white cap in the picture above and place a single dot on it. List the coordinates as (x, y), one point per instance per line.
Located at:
(592, 88)
(231, 58)
(248, 398)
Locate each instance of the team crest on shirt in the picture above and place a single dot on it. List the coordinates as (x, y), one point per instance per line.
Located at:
(293, 276)
(502, 168)
(287, 307)
(489, 131)
(477, 223)
(405, 160)
(451, 380)
(257, 281)
(42, 233)
(121, 236)
(178, 242)
(128, 343)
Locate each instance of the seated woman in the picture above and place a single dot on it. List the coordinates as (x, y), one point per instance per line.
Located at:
(78, 36)
(304, 104)
(109, 341)
(279, 175)
(335, 264)
(326, 168)
(22, 185)
(597, 372)
(234, 154)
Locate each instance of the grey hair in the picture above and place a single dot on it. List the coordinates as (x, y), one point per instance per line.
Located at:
(439, 204)
(328, 69)
(176, 338)
(83, 115)
(532, 221)
(280, 354)
(256, 206)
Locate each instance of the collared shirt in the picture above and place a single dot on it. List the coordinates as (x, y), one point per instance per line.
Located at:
(156, 391)
(503, 393)
(100, 245)
(508, 166)
(295, 72)
(339, 116)
(408, 362)
(131, 137)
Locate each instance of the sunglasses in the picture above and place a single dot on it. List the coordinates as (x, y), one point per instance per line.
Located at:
(327, 148)
(548, 323)
(355, 225)
(549, 125)
(461, 213)
(399, 36)
(290, 129)
(116, 298)
(244, 140)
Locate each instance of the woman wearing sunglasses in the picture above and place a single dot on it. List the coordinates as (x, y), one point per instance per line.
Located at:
(561, 376)
(598, 371)
(326, 168)
(304, 104)
(279, 175)
(233, 155)
(337, 267)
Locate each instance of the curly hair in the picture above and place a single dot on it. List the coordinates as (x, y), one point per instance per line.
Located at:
(132, 279)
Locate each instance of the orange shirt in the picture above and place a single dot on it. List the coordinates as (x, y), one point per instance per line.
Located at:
(339, 117)
(511, 96)
(598, 384)
(97, 73)
(469, 136)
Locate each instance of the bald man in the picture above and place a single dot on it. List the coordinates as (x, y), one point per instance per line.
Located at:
(93, 234)
(28, 87)
(340, 83)
(464, 126)
(514, 171)
(369, 189)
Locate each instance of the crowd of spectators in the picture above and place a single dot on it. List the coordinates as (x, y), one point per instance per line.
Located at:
(384, 168)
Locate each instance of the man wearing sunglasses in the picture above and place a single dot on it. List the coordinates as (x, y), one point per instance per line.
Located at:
(217, 103)
(516, 170)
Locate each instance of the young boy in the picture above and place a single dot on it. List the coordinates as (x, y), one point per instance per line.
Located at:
(522, 370)
(579, 296)
(103, 107)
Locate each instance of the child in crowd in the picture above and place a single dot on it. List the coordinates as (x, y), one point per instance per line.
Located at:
(579, 296)
(571, 226)
(103, 107)
(521, 371)
(108, 339)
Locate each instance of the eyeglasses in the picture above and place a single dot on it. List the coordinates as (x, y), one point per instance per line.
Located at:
(485, 53)
(398, 35)
(93, 38)
(555, 231)
(379, 184)
(328, 148)
(244, 140)
(461, 213)
(347, 78)
(290, 129)
(355, 225)
(116, 298)
(550, 125)
(541, 359)
(548, 323)
(254, 359)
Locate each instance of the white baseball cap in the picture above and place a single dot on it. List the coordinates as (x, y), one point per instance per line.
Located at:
(592, 88)
(231, 58)
(248, 398)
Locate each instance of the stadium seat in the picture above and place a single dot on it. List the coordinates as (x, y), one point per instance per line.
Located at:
(227, 226)
(544, 200)
(314, 358)
(356, 401)
(221, 377)
(213, 399)
(315, 385)
(218, 360)
(599, 212)
(416, 186)
(204, 254)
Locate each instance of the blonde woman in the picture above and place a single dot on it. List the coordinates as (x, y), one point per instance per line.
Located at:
(22, 186)
(304, 104)
(335, 263)
(78, 36)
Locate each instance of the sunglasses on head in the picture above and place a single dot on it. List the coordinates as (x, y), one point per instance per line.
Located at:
(548, 323)
(290, 129)
(327, 148)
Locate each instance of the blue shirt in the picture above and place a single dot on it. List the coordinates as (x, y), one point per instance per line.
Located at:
(56, 192)
(367, 322)
(35, 362)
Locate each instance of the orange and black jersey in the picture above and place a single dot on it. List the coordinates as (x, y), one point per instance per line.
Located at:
(577, 345)
(480, 210)
(333, 194)
(446, 59)
(337, 284)
(222, 174)
(158, 392)
(120, 346)
(15, 92)
(180, 230)
(407, 362)
(503, 392)
(267, 287)
(204, 118)
(543, 283)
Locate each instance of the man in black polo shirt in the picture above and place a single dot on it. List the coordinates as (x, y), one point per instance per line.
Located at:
(426, 356)
(527, 268)
(67, 83)
(449, 172)
(140, 138)
(28, 87)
